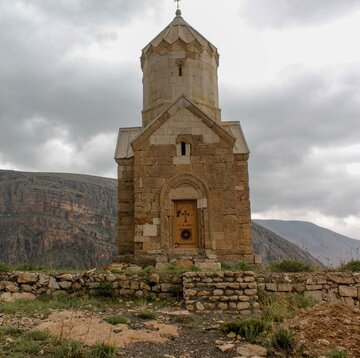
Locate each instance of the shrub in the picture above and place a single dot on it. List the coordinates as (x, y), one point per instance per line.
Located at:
(352, 265)
(116, 320)
(283, 340)
(248, 328)
(337, 354)
(103, 350)
(291, 266)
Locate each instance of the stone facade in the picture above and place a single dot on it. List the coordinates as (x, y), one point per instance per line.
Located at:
(183, 176)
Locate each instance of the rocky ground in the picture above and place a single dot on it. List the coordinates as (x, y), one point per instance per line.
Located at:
(168, 331)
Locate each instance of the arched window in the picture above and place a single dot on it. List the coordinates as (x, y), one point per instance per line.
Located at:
(183, 148)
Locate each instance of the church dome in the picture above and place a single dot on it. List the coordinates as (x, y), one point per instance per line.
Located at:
(179, 29)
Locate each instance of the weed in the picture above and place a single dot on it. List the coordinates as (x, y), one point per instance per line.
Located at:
(352, 265)
(69, 349)
(237, 266)
(116, 320)
(291, 266)
(10, 331)
(29, 267)
(103, 350)
(145, 314)
(36, 335)
(337, 354)
(283, 340)
(4, 267)
(304, 302)
(277, 308)
(248, 328)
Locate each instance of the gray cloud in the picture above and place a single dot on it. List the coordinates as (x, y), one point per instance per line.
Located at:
(294, 13)
(73, 99)
(61, 113)
(294, 128)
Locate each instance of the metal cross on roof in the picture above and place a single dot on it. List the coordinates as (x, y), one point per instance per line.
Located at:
(178, 3)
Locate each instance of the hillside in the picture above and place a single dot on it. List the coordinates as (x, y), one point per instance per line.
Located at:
(273, 247)
(326, 245)
(69, 220)
(57, 220)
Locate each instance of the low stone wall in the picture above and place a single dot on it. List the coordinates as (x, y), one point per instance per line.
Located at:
(28, 285)
(322, 286)
(225, 291)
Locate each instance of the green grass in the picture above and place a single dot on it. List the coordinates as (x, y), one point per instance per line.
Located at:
(291, 266)
(145, 314)
(103, 350)
(337, 354)
(237, 266)
(4, 267)
(283, 340)
(116, 320)
(352, 265)
(44, 304)
(248, 328)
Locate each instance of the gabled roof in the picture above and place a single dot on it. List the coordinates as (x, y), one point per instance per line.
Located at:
(182, 102)
(179, 29)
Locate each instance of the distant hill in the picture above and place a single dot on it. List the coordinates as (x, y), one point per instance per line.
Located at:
(273, 247)
(69, 221)
(328, 246)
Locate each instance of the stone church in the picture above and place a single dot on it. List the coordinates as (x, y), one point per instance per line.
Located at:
(183, 184)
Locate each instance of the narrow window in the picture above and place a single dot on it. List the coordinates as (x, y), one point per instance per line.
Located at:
(183, 148)
(180, 71)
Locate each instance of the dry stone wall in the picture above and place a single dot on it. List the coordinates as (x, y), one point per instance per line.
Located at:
(322, 286)
(28, 285)
(225, 291)
(201, 291)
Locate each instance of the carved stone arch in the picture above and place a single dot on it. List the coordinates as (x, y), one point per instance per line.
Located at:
(185, 187)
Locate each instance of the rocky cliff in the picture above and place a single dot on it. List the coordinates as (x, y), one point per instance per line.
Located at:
(69, 221)
(57, 220)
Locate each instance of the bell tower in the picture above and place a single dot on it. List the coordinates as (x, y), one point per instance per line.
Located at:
(179, 61)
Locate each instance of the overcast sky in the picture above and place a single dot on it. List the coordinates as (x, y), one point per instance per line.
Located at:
(289, 71)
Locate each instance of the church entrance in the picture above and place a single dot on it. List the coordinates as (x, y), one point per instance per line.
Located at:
(186, 224)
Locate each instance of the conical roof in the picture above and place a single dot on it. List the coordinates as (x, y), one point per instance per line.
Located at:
(179, 29)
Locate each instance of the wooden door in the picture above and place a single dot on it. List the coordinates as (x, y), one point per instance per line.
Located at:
(186, 224)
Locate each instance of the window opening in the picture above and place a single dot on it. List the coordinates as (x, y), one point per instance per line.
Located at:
(183, 148)
(180, 71)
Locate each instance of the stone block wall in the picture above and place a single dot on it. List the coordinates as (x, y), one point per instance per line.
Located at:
(225, 291)
(322, 286)
(28, 285)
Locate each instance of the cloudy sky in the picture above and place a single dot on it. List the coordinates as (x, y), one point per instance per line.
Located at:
(289, 71)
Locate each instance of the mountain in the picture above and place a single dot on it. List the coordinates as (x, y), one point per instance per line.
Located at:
(328, 246)
(273, 247)
(69, 221)
(57, 220)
